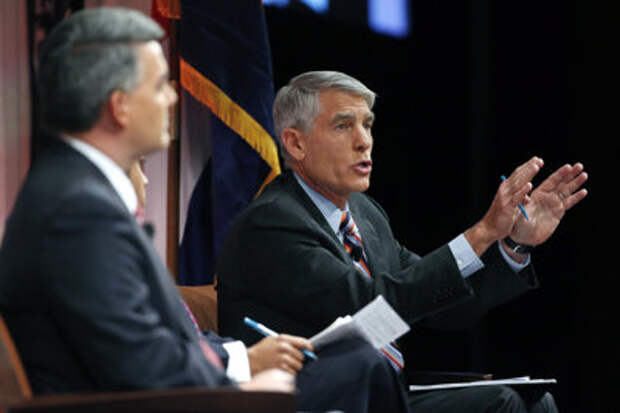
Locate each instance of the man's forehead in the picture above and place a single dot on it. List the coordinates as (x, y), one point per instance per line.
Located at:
(150, 50)
(152, 58)
(339, 103)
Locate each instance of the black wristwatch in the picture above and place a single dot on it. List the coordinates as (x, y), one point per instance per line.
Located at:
(518, 248)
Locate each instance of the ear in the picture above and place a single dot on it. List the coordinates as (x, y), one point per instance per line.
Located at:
(118, 107)
(294, 142)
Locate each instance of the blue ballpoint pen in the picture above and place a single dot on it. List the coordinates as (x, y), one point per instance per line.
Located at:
(269, 333)
(520, 206)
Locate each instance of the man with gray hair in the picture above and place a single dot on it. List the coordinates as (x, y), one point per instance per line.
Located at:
(88, 302)
(315, 248)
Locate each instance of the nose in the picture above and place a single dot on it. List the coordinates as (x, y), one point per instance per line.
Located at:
(363, 139)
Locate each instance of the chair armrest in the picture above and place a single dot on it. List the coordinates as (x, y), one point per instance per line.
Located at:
(192, 399)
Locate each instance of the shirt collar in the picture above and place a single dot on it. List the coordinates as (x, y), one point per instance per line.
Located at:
(330, 211)
(117, 177)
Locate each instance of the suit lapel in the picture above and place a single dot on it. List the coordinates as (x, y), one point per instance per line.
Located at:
(84, 166)
(176, 316)
(316, 220)
(369, 236)
(311, 208)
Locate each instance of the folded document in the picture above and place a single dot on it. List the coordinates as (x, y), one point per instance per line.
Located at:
(377, 323)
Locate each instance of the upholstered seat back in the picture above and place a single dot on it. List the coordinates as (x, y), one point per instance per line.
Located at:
(202, 301)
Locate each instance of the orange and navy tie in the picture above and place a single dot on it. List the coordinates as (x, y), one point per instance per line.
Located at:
(353, 245)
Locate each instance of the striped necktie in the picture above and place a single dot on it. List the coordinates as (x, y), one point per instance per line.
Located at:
(353, 245)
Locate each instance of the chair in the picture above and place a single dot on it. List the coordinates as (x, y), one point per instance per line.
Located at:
(202, 301)
(16, 395)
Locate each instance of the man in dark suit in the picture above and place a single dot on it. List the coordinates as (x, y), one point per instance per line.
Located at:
(375, 387)
(315, 248)
(90, 305)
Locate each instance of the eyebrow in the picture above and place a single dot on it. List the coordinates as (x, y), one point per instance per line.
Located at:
(349, 115)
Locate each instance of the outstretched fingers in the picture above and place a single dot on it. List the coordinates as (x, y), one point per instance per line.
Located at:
(575, 179)
(574, 199)
(565, 184)
(524, 173)
(556, 179)
(518, 185)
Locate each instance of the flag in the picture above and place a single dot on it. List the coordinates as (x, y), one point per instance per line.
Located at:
(227, 149)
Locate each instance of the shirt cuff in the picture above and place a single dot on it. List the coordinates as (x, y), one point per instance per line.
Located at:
(516, 266)
(238, 368)
(465, 257)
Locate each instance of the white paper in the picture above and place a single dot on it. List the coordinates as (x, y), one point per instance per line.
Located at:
(502, 382)
(377, 323)
(380, 322)
(342, 328)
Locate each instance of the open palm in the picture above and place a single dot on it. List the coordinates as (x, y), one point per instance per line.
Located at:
(547, 204)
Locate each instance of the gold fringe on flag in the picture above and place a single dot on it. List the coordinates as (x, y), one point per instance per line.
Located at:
(169, 8)
(233, 116)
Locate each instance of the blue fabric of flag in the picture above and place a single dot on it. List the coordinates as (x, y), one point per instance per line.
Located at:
(226, 43)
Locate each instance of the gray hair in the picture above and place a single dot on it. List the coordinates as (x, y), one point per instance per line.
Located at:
(297, 104)
(84, 59)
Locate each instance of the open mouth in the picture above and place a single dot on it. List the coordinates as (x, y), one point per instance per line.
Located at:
(363, 167)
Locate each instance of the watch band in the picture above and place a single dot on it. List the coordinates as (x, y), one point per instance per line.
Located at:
(518, 248)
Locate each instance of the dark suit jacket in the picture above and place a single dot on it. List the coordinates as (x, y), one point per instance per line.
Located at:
(283, 265)
(88, 302)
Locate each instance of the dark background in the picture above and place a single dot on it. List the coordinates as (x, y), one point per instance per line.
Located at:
(477, 89)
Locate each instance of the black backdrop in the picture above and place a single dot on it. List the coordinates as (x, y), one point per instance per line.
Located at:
(478, 88)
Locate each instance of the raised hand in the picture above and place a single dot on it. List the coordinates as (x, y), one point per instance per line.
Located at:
(548, 203)
(499, 220)
(545, 206)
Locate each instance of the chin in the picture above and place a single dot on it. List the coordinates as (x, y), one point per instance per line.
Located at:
(362, 186)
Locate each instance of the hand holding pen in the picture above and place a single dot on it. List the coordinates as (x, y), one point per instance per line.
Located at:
(528, 216)
(302, 344)
(520, 205)
(547, 204)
